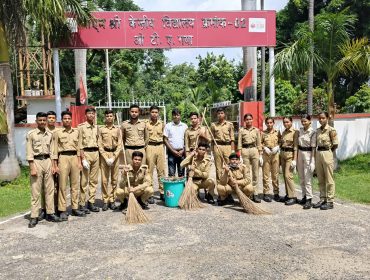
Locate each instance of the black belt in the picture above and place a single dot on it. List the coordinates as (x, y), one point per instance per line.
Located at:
(247, 146)
(91, 149)
(68, 153)
(306, 149)
(223, 143)
(155, 143)
(287, 149)
(41, 157)
(110, 150)
(197, 178)
(134, 147)
(323, 149)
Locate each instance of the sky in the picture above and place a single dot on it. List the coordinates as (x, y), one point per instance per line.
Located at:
(178, 56)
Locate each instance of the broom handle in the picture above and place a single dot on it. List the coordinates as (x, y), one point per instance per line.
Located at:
(124, 157)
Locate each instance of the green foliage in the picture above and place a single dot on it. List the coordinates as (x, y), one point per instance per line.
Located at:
(360, 102)
(320, 101)
(285, 96)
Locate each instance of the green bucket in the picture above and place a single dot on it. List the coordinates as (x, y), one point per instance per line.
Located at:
(172, 191)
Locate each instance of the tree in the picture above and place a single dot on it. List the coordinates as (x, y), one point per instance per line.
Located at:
(286, 95)
(360, 102)
(310, 69)
(50, 15)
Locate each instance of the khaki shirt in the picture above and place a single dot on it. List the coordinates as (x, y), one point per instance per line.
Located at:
(134, 134)
(307, 138)
(64, 140)
(249, 136)
(270, 139)
(326, 137)
(191, 136)
(140, 178)
(155, 131)
(88, 135)
(289, 139)
(223, 132)
(38, 143)
(109, 138)
(52, 130)
(240, 174)
(202, 166)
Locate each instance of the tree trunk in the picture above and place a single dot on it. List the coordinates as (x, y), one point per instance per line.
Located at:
(9, 167)
(310, 69)
(263, 66)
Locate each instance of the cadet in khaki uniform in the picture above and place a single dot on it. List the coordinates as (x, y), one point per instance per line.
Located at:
(327, 143)
(234, 175)
(288, 159)
(223, 132)
(249, 143)
(140, 182)
(110, 146)
(154, 151)
(270, 143)
(88, 145)
(67, 163)
(38, 148)
(134, 134)
(199, 165)
(195, 133)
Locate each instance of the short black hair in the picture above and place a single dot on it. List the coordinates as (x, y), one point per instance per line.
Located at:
(194, 114)
(41, 115)
(154, 107)
(90, 109)
(269, 118)
(137, 154)
(221, 109)
(134, 106)
(176, 111)
(324, 113)
(248, 115)
(51, 113)
(234, 155)
(69, 113)
(109, 111)
(288, 118)
(203, 144)
(306, 116)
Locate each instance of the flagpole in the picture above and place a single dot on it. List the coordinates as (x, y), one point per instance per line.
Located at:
(108, 79)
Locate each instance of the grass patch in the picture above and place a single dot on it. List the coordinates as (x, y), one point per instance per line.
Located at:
(15, 196)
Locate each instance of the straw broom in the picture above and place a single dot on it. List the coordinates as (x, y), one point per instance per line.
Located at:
(248, 205)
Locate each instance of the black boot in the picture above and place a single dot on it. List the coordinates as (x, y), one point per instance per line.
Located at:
(143, 205)
(318, 204)
(42, 215)
(283, 199)
(112, 206)
(123, 205)
(105, 207)
(33, 222)
(230, 200)
(63, 216)
(161, 196)
(78, 213)
(92, 207)
(303, 201)
(256, 198)
(291, 201)
(210, 198)
(151, 200)
(308, 204)
(277, 197)
(52, 218)
(221, 202)
(267, 198)
(84, 209)
(327, 206)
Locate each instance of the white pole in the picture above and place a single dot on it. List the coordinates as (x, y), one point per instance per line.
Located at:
(272, 81)
(108, 79)
(58, 102)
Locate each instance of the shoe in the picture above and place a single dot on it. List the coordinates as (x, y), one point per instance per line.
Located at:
(33, 222)
(123, 205)
(277, 197)
(267, 198)
(63, 216)
(78, 213)
(52, 218)
(229, 199)
(327, 206)
(161, 196)
(283, 199)
(84, 209)
(256, 198)
(151, 200)
(105, 207)
(112, 206)
(221, 202)
(318, 205)
(92, 207)
(210, 198)
(143, 205)
(308, 204)
(291, 201)
(42, 215)
(303, 201)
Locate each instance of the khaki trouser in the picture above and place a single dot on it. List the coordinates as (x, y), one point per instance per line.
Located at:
(304, 172)
(112, 172)
(286, 159)
(206, 184)
(129, 155)
(144, 194)
(68, 168)
(220, 155)
(324, 170)
(270, 168)
(42, 181)
(225, 190)
(155, 159)
(251, 160)
(89, 178)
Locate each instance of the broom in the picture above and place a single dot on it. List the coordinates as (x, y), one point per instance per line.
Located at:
(247, 204)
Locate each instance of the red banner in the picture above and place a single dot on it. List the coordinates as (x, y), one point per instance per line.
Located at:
(116, 30)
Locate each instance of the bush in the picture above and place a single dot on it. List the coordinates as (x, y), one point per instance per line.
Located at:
(359, 102)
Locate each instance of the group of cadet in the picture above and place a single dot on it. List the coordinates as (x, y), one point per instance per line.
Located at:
(77, 155)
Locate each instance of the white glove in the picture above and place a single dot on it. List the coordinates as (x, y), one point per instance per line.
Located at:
(109, 161)
(267, 150)
(293, 164)
(85, 164)
(275, 150)
(261, 161)
(312, 166)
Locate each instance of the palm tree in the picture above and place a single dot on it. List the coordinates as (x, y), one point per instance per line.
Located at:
(311, 5)
(49, 15)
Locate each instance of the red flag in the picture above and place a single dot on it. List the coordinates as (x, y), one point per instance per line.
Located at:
(83, 94)
(245, 82)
